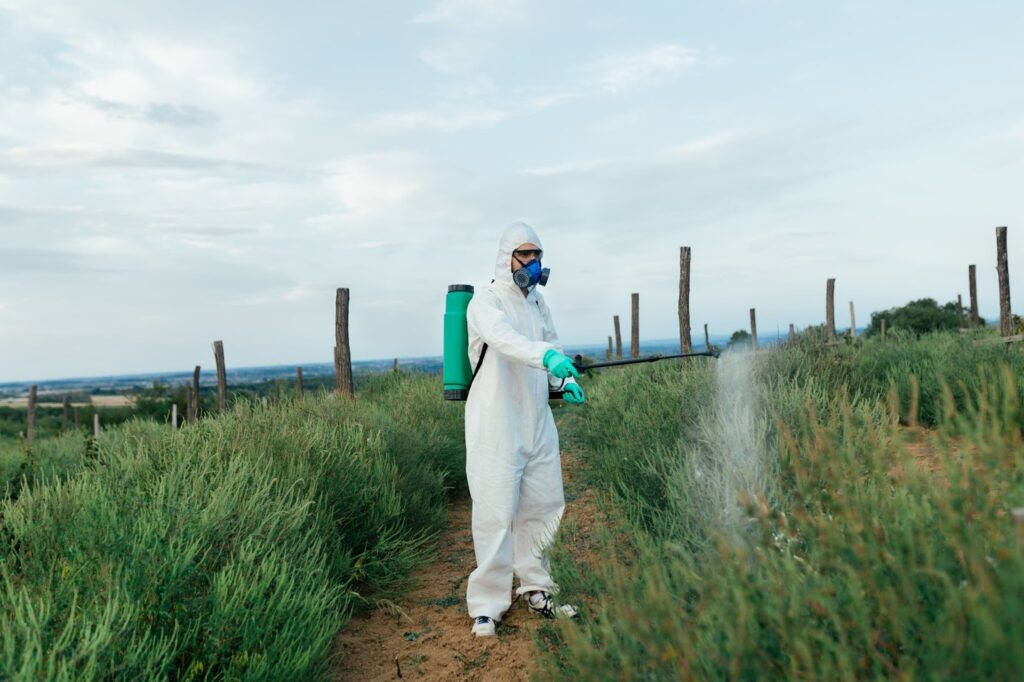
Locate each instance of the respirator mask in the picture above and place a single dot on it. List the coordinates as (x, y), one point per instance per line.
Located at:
(530, 274)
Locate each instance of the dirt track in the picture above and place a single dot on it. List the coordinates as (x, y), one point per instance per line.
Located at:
(427, 637)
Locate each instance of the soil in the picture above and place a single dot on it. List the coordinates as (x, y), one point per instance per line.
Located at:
(427, 636)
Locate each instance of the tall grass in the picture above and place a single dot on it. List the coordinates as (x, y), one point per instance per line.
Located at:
(236, 548)
(855, 548)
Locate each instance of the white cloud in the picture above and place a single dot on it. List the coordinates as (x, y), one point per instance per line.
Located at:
(704, 146)
(447, 120)
(694, 150)
(1015, 133)
(571, 167)
(373, 185)
(104, 246)
(474, 14)
(470, 30)
(611, 75)
(621, 72)
(295, 294)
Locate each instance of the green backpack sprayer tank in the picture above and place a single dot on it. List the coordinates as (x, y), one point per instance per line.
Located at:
(458, 375)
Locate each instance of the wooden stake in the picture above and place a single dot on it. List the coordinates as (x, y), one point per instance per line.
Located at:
(685, 342)
(222, 376)
(883, 329)
(608, 353)
(395, 368)
(1003, 270)
(853, 322)
(66, 422)
(197, 398)
(753, 328)
(960, 310)
(174, 415)
(96, 424)
(618, 339)
(707, 338)
(634, 341)
(31, 428)
(342, 353)
(973, 283)
(830, 310)
(792, 333)
(298, 385)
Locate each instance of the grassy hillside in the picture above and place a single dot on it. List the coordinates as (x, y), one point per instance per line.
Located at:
(236, 548)
(838, 512)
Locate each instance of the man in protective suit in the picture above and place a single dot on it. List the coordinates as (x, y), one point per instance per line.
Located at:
(512, 459)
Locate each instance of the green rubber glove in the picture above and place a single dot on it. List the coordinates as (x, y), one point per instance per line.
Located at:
(573, 394)
(559, 365)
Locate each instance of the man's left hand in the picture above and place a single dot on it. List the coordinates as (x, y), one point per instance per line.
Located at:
(573, 394)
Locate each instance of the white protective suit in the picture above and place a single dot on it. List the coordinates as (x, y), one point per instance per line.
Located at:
(512, 458)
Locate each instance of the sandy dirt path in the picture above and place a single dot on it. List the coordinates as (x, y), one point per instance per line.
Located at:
(430, 638)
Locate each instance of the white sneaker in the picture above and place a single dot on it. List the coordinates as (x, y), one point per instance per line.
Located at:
(541, 603)
(483, 627)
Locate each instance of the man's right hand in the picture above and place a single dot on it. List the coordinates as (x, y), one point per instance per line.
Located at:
(559, 365)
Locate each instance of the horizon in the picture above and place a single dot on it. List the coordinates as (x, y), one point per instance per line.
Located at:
(208, 371)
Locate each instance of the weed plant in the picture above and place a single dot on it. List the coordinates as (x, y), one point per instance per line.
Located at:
(854, 545)
(233, 549)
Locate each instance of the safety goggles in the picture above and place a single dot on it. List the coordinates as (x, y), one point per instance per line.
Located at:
(523, 254)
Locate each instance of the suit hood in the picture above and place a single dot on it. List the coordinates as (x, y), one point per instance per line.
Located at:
(515, 235)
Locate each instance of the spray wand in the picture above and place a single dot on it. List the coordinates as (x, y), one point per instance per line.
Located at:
(577, 361)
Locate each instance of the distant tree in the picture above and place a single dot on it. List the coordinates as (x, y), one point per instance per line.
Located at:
(155, 403)
(919, 317)
(739, 339)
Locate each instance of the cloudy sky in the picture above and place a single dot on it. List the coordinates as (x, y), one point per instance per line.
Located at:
(175, 173)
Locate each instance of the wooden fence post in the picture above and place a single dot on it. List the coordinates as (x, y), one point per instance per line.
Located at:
(1003, 270)
(960, 310)
(395, 368)
(222, 376)
(830, 310)
(618, 339)
(707, 338)
(342, 353)
(66, 421)
(608, 353)
(174, 415)
(298, 385)
(792, 333)
(753, 329)
(31, 427)
(973, 282)
(853, 322)
(883, 329)
(74, 412)
(95, 424)
(634, 341)
(685, 342)
(197, 400)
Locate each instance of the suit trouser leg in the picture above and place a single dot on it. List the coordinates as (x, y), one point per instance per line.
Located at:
(541, 504)
(495, 498)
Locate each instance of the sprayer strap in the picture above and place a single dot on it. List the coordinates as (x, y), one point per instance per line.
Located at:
(479, 362)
